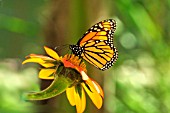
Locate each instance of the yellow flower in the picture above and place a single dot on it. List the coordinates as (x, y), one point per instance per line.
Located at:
(81, 83)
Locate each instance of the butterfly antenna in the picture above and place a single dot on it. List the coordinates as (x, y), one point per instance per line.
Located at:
(68, 50)
(61, 47)
(55, 48)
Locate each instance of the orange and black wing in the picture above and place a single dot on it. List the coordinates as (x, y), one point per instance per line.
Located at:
(96, 45)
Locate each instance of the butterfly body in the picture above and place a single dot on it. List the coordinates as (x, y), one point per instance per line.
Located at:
(96, 45)
(76, 49)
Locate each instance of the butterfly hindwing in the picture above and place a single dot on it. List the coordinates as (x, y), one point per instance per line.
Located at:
(96, 45)
(100, 55)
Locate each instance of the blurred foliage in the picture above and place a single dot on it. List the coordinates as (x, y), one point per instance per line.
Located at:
(19, 27)
(142, 71)
(13, 84)
(139, 82)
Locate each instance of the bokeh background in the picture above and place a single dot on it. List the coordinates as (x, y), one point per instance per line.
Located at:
(139, 82)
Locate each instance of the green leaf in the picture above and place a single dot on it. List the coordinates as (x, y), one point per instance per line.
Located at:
(58, 86)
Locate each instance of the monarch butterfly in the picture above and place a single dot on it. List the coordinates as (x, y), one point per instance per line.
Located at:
(96, 45)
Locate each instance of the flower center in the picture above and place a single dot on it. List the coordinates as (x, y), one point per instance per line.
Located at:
(76, 61)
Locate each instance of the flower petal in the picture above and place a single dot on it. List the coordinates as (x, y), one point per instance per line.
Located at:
(39, 61)
(98, 88)
(84, 75)
(94, 95)
(70, 95)
(46, 73)
(83, 100)
(80, 99)
(40, 56)
(36, 60)
(92, 83)
(77, 101)
(77, 98)
(51, 53)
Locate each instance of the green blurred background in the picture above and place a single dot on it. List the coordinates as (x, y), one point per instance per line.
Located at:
(139, 82)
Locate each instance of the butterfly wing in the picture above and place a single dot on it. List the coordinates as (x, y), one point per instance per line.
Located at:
(101, 31)
(96, 45)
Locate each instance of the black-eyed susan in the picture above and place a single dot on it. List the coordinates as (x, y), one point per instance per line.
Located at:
(68, 74)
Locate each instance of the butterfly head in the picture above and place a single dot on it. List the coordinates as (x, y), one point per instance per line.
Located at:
(77, 50)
